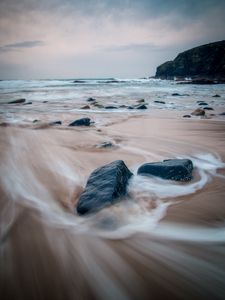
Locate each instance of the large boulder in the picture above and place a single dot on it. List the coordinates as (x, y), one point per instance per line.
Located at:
(205, 62)
(105, 186)
(172, 169)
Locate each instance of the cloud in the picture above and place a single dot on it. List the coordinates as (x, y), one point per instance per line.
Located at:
(132, 47)
(21, 45)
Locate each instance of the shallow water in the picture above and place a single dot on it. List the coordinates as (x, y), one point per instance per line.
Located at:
(165, 240)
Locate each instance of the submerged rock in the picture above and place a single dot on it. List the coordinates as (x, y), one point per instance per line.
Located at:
(110, 107)
(91, 100)
(140, 101)
(202, 103)
(17, 101)
(186, 116)
(216, 96)
(142, 106)
(105, 145)
(105, 186)
(172, 169)
(198, 112)
(81, 122)
(159, 101)
(55, 123)
(85, 107)
(208, 108)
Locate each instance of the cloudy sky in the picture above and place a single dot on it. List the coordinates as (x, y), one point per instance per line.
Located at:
(101, 38)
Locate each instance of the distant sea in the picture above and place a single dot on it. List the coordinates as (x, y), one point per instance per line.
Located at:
(111, 91)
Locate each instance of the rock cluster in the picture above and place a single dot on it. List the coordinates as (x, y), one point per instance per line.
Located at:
(108, 184)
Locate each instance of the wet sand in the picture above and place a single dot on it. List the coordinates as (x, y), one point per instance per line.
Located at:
(164, 243)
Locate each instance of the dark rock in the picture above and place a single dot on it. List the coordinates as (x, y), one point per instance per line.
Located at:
(105, 186)
(85, 107)
(198, 112)
(17, 101)
(35, 121)
(105, 145)
(172, 169)
(45, 101)
(110, 107)
(202, 103)
(186, 116)
(130, 107)
(222, 114)
(27, 103)
(55, 123)
(161, 102)
(142, 106)
(81, 122)
(78, 81)
(140, 101)
(206, 61)
(91, 100)
(208, 108)
(123, 106)
(176, 94)
(216, 96)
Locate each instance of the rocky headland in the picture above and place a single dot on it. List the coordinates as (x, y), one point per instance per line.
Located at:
(204, 65)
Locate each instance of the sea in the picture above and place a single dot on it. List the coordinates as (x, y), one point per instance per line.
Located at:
(70, 94)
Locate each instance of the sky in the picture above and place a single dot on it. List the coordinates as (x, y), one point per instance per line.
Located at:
(42, 39)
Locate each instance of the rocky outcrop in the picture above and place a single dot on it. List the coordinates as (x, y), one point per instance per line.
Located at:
(173, 169)
(105, 186)
(206, 63)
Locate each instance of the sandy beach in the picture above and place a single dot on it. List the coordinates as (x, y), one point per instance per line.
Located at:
(165, 240)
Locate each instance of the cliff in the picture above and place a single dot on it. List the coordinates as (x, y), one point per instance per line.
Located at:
(206, 61)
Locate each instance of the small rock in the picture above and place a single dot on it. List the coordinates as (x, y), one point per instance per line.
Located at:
(142, 106)
(81, 122)
(216, 96)
(140, 101)
(35, 121)
(78, 81)
(45, 101)
(222, 114)
(85, 107)
(208, 108)
(198, 112)
(172, 169)
(123, 106)
(110, 107)
(91, 100)
(105, 186)
(202, 103)
(186, 116)
(105, 145)
(27, 103)
(130, 107)
(176, 94)
(161, 102)
(55, 123)
(17, 101)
